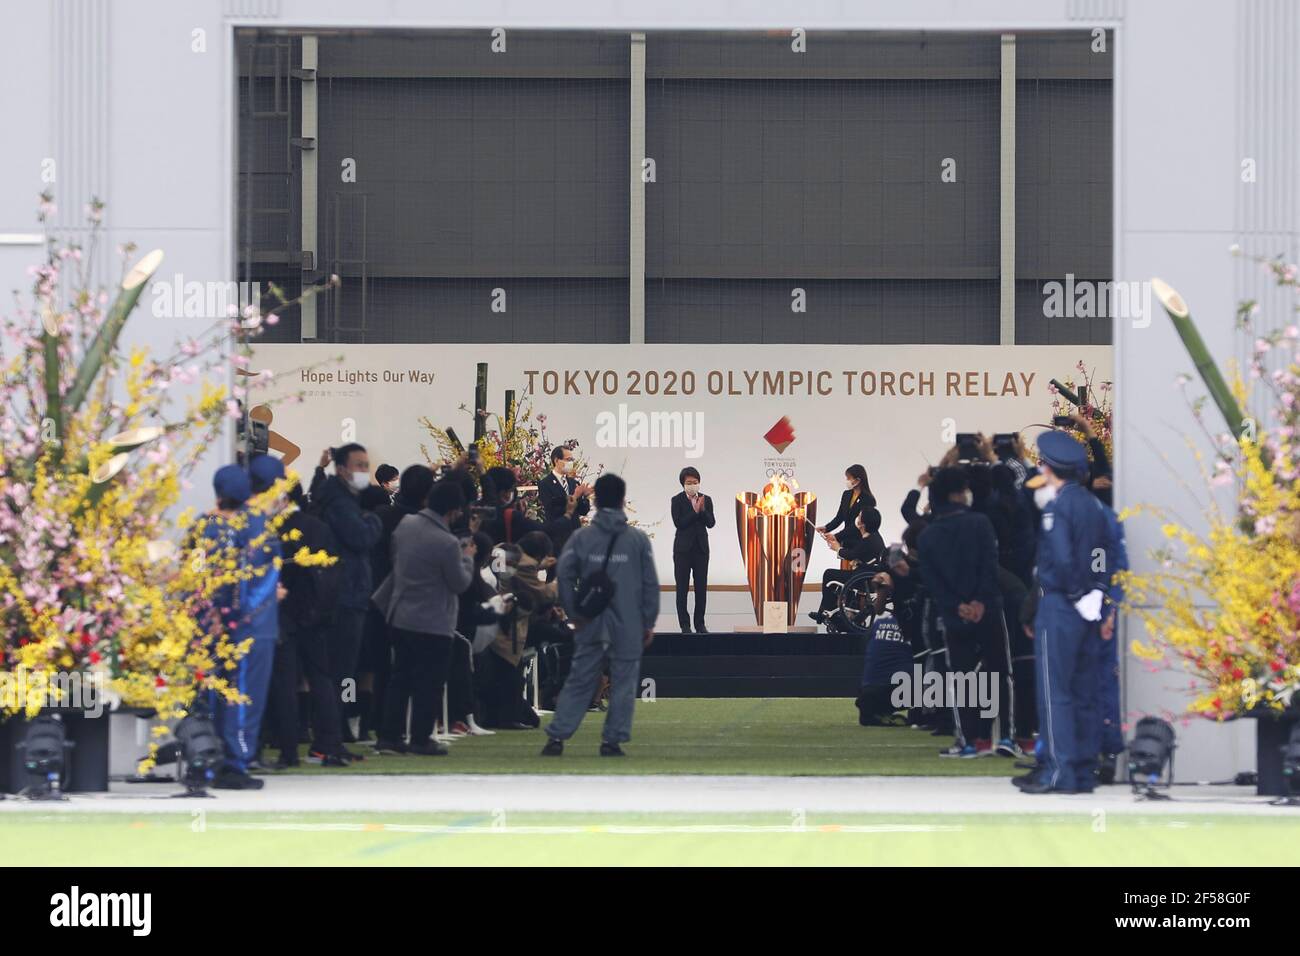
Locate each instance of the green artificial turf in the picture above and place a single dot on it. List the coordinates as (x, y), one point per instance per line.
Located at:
(547, 840)
(782, 736)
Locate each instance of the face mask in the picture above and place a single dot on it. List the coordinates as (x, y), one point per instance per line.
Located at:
(391, 487)
(850, 484)
(692, 489)
(1043, 496)
(360, 480)
(968, 498)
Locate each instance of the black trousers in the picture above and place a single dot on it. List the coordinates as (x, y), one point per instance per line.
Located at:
(282, 697)
(983, 645)
(831, 595)
(502, 692)
(302, 653)
(460, 680)
(377, 659)
(419, 675)
(874, 703)
(685, 566)
(343, 649)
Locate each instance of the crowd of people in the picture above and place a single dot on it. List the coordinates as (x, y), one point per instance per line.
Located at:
(1008, 570)
(441, 584)
(444, 587)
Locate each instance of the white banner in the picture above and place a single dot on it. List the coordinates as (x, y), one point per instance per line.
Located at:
(734, 412)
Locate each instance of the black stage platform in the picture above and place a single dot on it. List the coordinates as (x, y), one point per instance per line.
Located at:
(726, 664)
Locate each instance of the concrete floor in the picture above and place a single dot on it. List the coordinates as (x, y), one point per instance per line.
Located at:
(655, 793)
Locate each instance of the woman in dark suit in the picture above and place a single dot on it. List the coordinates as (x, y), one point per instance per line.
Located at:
(693, 517)
(856, 497)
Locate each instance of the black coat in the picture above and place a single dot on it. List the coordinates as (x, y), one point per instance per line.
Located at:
(959, 558)
(554, 497)
(357, 532)
(848, 516)
(302, 608)
(868, 548)
(692, 529)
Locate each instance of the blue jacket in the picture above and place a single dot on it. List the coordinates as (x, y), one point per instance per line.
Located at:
(250, 607)
(888, 653)
(622, 625)
(1075, 544)
(356, 532)
(1116, 552)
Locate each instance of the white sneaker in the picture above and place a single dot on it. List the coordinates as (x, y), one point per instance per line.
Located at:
(475, 730)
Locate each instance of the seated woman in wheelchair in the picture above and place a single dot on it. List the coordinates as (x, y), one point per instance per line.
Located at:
(866, 551)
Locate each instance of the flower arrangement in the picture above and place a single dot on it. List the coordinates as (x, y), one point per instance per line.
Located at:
(97, 446)
(1225, 602)
(1096, 406)
(518, 441)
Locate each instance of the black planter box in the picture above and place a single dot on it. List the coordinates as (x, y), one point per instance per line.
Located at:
(1272, 734)
(86, 769)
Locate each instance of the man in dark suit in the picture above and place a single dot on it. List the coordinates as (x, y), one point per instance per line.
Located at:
(693, 517)
(559, 485)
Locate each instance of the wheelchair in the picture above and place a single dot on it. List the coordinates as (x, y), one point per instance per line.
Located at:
(855, 604)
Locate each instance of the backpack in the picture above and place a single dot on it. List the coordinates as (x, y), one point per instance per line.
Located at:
(596, 590)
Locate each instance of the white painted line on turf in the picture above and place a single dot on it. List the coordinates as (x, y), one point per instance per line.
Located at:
(557, 829)
(909, 797)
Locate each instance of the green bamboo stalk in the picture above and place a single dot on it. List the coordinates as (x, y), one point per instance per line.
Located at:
(53, 401)
(480, 401)
(106, 338)
(1180, 316)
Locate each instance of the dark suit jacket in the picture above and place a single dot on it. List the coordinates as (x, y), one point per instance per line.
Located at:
(692, 529)
(554, 497)
(848, 514)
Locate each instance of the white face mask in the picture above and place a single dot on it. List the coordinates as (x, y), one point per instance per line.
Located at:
(1043, 496)
(850, 484)
(969, 498)
(692, 489)
(360, 480)
(391, 487)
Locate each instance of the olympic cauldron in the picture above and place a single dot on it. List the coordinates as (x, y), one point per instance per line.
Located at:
(775, 530)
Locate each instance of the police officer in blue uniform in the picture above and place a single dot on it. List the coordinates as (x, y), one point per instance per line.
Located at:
(1074, 546)
(247, 609)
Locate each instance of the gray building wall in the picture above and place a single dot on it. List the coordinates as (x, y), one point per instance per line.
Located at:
(139, 117)
(774, 171)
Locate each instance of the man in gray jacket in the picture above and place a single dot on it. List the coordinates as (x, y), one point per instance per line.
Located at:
(619, 633)
(418, 600)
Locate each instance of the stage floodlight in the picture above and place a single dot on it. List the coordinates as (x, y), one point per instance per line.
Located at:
(44, 748)
(1149, 753)
(200, 754)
